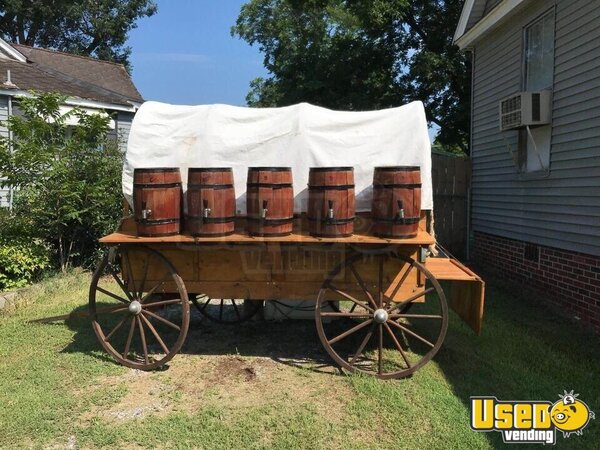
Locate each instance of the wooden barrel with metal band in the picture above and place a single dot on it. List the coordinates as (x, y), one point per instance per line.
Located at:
(269, 201)
(331, 201)
(157, 201)
(210, 202)
(396, 208)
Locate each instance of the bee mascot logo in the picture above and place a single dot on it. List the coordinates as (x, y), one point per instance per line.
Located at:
(531, 421)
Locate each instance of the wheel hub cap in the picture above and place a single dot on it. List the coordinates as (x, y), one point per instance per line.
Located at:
(380, 316)
(135, 307)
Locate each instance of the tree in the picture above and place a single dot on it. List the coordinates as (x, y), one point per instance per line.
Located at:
(97, 28)
(361, 54)
(68, 177)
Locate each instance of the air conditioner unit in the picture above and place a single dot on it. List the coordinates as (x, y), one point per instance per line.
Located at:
(526, 109)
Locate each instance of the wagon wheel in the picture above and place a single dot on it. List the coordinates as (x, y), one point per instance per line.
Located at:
(226, 310)
(373, 334)
(135, 321)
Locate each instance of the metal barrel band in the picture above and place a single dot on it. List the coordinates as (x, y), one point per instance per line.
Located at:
(209, 169)
(337, 187)
(156, 185)
(397, 168)
(157, 170)
(210, 186)
(269, 169)
(398, 221)
(210, 219)
(173, 233)
(270, 185)
(327, 221)
(331, 169)
(157, 221)
(271, 221)
(397, 185)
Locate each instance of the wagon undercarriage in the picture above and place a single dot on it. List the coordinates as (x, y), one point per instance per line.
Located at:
(378, 309)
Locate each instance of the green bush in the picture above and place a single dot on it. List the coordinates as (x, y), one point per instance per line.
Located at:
(21, 260)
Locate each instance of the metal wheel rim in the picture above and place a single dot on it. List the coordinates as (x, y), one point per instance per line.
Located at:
(386, 375)
(139, 322)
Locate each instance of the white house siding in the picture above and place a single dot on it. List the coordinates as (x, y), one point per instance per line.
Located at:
(4, 194)
(123, 127)
(562, 210)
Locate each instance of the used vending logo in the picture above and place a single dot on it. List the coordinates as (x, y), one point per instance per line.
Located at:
(530, 422)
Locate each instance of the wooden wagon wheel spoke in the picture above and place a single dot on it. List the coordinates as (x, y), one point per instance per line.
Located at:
(368, 340)
(129, 345)
(412, 333)
(397, 344)
(130, 277)
(143, 338)
(152, 291)
(402, 280)
(116, 297)
(346, 314)
(380, 284)
(144, 276)
(237, 311)
(416, 316)
(161, 319)
(363, 285)
(349, 297)
(122, 285)
(363, 344)
(154, 332)
(116, 328)
(129, 338)
(410, 299)
(162, 303)
(349, 332)
(226, 311)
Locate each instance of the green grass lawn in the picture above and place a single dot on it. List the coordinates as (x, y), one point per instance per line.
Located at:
(270, 385)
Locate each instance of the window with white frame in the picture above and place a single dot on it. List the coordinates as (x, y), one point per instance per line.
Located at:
(538, 74)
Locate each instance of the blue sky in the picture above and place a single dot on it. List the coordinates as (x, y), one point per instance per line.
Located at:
(184, 54)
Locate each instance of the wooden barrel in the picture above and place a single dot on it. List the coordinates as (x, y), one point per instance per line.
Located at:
(331, 201)
(157, 201)
(270, 201)
(396, 208)
(210, 202)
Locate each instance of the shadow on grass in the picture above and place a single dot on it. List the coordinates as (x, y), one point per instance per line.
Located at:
(291, 342)
(525, 352)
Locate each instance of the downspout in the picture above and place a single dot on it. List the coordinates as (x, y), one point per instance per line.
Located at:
(10, 146)
(468, 249)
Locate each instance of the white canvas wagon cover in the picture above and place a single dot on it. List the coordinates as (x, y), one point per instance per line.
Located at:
(299, 136)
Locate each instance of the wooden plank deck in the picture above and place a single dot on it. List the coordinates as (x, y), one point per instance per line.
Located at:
(122, 237)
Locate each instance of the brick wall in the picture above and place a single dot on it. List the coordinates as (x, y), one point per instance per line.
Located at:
(569, 280)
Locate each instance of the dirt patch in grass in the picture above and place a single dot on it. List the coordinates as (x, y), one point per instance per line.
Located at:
(230, 382)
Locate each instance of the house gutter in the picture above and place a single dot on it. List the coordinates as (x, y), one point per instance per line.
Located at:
(10, 147)
(500, 13)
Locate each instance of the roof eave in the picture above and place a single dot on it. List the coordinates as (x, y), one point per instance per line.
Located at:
(131, 106)
(492, 20)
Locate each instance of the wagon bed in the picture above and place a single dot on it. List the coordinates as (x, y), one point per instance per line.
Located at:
(386, 288)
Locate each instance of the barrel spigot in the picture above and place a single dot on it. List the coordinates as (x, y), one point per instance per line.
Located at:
(265, 210)
(146, 213)
(400, 210)
(206, 211)
(330, 214)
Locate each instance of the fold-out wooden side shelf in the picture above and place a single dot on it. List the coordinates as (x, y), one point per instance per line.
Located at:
(467, 289)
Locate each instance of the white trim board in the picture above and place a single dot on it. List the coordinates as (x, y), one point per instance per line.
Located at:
(500, 13)
(11, 51)
(76, 101)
